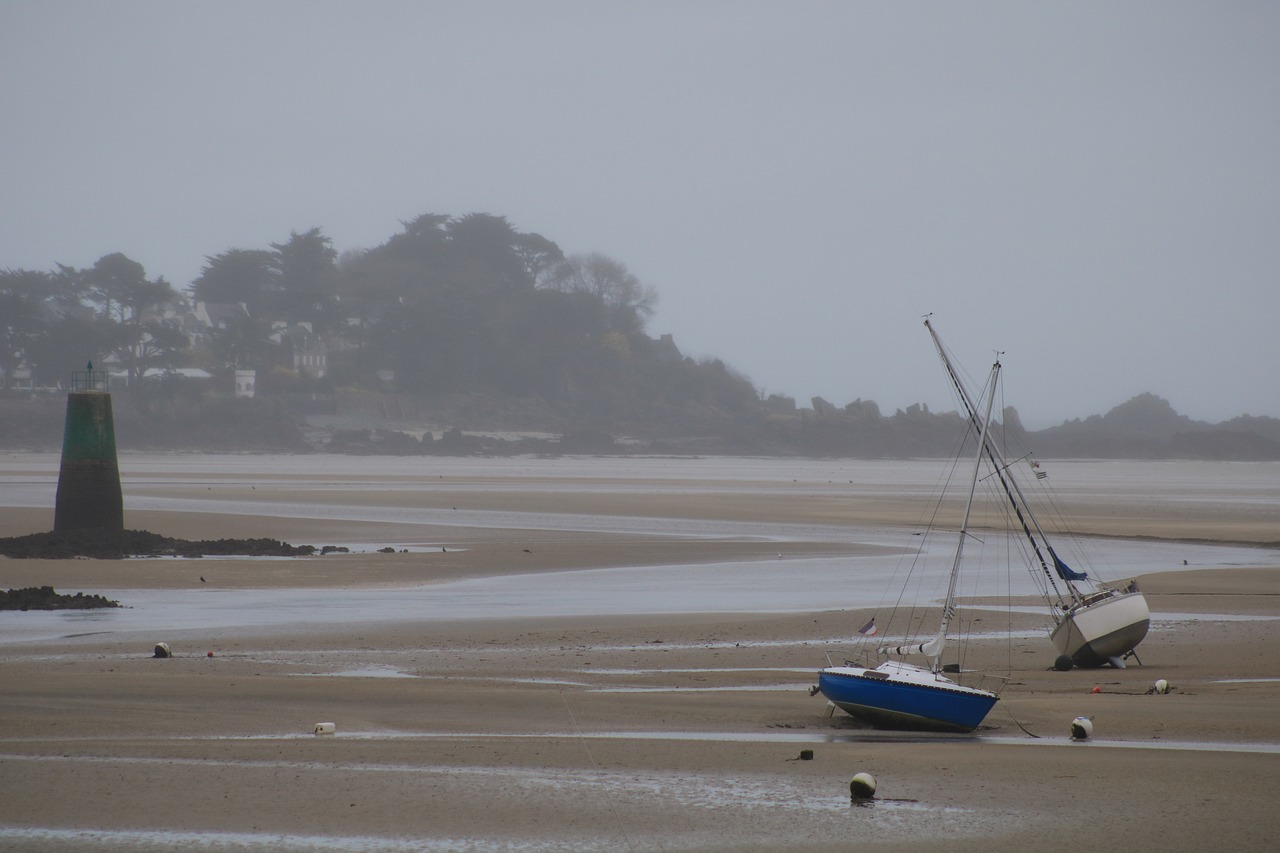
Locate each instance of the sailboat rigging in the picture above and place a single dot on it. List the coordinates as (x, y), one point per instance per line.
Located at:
(903, 695)
(1104, 625)
(1089, 628)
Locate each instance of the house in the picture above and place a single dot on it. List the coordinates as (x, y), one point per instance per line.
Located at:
(308, 351)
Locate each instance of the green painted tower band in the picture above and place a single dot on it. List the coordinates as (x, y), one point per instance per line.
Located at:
(89, 477)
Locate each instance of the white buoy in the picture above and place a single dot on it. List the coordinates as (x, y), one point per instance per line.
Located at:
(1162, 686)
(326, 728)
(863, 785)
(1081, 728)
(162, 651)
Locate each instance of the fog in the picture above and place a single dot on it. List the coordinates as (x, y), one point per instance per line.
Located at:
(1090, 187)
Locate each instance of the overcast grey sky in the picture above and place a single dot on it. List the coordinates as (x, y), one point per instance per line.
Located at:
(1091, 187)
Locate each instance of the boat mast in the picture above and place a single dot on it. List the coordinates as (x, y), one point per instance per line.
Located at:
(1010, 485)
(950, 608)
(933, 648)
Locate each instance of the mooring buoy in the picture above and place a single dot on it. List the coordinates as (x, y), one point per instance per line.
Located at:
(162, 651)
(862, 786)
(1081, 728)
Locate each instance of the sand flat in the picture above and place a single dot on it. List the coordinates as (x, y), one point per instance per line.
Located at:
(629, 732)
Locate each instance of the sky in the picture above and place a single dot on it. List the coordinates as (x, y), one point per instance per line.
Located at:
(1091, 188)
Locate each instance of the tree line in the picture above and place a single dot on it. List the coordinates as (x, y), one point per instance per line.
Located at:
(475, 323)
(53, 322)
(448, 305)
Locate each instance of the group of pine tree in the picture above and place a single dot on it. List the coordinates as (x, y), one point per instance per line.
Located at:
(463, 322)
(447, 307)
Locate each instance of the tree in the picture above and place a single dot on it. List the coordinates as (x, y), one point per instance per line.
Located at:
(121, 289)
(244, 276)
(603, 277)
(482, 253)
(68, 290)
(66, 343)
(307, 271)
(124, 294)
(142, 346)
(21, 294)
(46, 325)
(421, 241)
(538, 254)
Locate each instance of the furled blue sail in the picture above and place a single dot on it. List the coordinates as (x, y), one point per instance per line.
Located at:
(1064, 571)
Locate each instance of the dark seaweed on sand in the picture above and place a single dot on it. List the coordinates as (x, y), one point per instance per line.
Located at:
(45, 598)
(118, 544)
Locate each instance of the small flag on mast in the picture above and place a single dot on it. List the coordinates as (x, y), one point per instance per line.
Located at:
(869, 629)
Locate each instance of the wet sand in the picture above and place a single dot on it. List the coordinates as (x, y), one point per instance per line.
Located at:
(619, 733)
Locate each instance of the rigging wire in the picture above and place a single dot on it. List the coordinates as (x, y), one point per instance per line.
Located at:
(1076, 545)
(912, 585)
(587, 749)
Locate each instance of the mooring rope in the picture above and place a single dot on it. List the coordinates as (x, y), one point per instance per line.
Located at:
(1018, 724)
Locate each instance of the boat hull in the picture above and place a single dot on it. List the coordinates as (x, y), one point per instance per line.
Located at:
(917, 700)
(1103, 629)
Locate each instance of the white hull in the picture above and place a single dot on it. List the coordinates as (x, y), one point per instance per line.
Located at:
(1106, 627)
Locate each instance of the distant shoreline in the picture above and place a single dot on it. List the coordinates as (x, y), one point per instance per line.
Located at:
(1145, 427)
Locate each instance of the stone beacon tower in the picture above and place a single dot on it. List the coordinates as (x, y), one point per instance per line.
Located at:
(89, 478)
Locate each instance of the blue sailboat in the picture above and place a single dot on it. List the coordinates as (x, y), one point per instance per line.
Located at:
(898, 694)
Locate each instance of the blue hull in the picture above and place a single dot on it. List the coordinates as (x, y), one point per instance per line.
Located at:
(895, 704)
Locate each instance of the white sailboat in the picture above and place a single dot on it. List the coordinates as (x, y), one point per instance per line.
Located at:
(1091, 623)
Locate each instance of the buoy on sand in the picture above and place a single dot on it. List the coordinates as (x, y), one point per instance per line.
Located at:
(1081, 728)
(1161, 686)
(325, 728)
(1096, 689)
(862, 786)
(162, 651)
